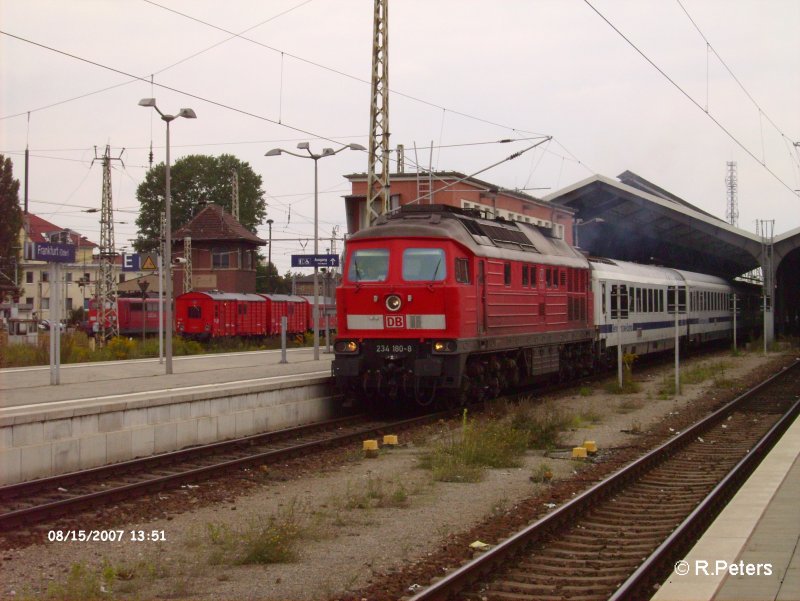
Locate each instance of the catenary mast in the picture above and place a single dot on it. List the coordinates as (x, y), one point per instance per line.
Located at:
(378, 168)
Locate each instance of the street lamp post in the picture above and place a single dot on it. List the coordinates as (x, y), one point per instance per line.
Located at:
(269, 257)
(188, 114)
(326, 152)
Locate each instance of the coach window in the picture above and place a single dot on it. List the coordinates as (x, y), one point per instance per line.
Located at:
(534, 275)
(524, 275)
(462, 271)
(368, 265)
(424, 265)
(548, 277)
(507, 274)
(603, 297)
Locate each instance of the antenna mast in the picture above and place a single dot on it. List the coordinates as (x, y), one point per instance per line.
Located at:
(378, 168)
(732, 184)
(107, 311)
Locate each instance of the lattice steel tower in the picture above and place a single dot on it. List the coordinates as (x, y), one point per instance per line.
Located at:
(235, 194)
(107, 312)
(732, 186)
(187, 267)
(378, 168)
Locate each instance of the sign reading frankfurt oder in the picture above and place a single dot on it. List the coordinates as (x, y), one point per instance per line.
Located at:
(54, 253)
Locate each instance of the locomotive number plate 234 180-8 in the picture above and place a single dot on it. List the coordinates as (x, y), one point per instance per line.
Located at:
(394, 349)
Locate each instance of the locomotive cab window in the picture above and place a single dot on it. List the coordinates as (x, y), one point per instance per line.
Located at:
(368, 265)
(462, 271)
(193, 312)
(424, 265)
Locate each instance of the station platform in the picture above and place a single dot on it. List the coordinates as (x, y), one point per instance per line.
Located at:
(758, 532)
(113, 411)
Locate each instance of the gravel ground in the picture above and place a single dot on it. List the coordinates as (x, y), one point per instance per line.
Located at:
(370, 526)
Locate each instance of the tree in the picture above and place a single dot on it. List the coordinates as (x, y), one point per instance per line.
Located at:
(10, 225)
(195, 180)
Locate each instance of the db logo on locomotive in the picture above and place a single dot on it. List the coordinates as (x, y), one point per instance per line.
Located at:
(395, 321)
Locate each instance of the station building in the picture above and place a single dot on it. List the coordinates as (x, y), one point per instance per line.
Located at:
(224, 253)
(633, 219)
(458, 190)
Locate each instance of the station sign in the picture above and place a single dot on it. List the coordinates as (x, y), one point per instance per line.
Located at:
(315, 260)
(51, 252)
(139, 262)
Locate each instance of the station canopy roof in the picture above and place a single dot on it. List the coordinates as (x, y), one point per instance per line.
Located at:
(632, 219)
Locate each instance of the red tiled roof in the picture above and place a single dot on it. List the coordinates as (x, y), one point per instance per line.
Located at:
(213, 223)
(38, 229)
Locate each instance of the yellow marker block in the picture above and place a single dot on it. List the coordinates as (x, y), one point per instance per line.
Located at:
(590, 446)
(579, 453)
(371, 448)
(390, 440)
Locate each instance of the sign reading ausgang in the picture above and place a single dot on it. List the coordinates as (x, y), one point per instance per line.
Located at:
(315, 260)
(53, 253)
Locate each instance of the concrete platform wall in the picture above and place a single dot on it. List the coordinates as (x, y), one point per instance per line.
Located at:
(60, 441)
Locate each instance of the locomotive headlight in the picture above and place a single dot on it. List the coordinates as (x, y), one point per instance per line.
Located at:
(346, 346)
(444, 346)
(393, 302)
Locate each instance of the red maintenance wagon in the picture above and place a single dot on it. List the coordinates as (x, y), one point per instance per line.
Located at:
(294, 308)
(216, 314)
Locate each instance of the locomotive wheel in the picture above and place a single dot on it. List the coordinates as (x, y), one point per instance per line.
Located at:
(424, 396)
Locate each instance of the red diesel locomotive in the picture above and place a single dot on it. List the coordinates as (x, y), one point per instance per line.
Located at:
(437, 302)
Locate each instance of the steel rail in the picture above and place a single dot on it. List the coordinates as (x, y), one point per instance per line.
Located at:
(35, 513)
(487, 563)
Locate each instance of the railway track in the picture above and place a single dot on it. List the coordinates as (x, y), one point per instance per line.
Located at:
(29, 503)
(622, 536)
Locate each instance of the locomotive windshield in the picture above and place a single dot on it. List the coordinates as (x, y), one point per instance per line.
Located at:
(368, 265)
(424, 265)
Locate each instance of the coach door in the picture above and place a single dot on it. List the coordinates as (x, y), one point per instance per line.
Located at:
(480, 282)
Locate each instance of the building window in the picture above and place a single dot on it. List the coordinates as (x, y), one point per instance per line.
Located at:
(86, 278)
(220, 258)
(69, 304)
(68, 276)
(29, 300)
(121, 278)
(45, 276)
(29, 277)
(45, 303)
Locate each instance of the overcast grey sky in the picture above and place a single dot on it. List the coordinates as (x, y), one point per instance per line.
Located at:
(464, 74)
